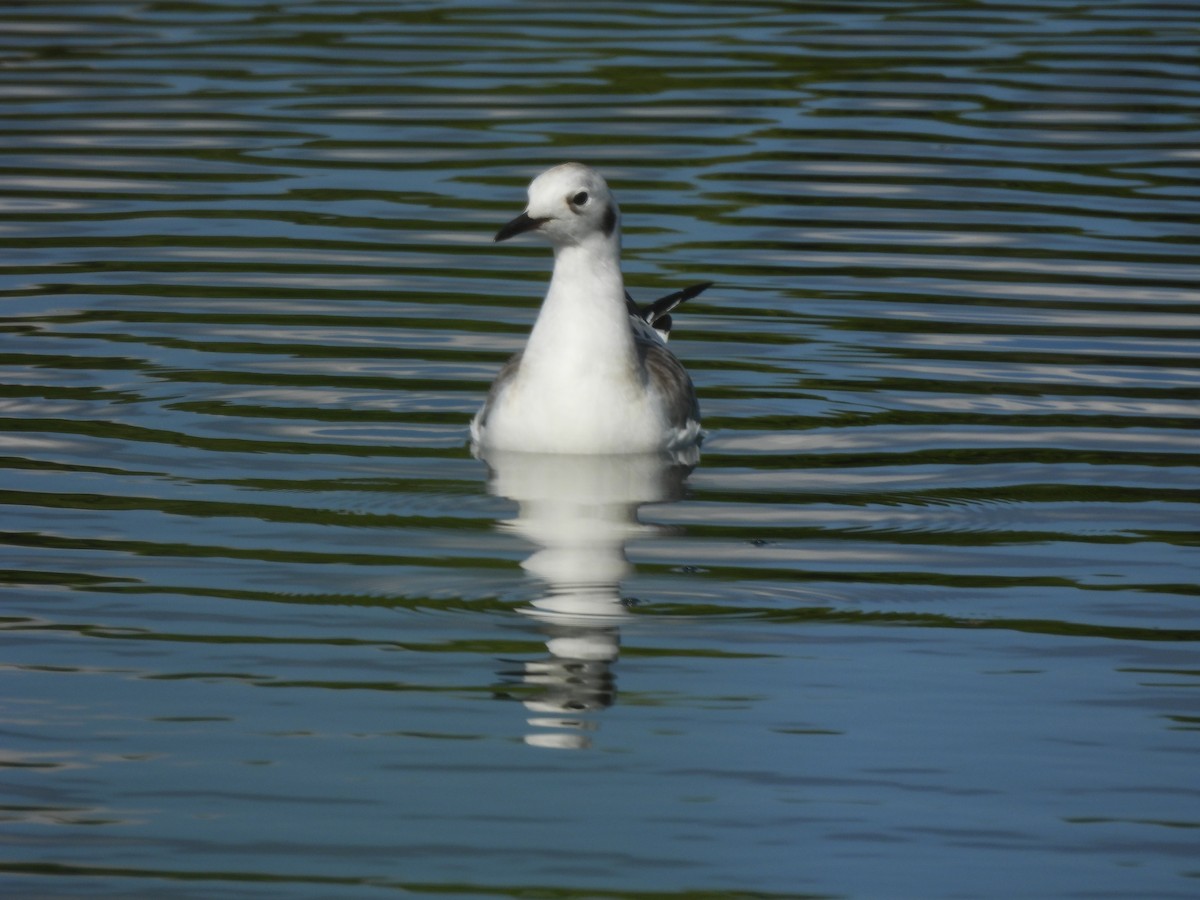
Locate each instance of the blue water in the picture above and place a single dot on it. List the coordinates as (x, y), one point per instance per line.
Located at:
(922, 622)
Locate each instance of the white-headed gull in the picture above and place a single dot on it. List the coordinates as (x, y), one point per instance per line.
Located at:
(595, 375)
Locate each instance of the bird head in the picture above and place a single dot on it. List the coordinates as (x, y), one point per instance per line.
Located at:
(568, 205)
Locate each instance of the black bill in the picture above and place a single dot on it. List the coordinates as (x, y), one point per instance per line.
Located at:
(522, 223)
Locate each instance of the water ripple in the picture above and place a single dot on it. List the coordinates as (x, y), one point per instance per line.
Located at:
(948, 369)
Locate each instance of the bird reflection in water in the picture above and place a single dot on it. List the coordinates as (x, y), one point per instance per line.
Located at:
(578, 511)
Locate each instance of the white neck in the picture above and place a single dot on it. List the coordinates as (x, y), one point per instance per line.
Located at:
(583, 327)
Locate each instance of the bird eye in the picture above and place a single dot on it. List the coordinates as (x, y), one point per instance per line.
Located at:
(579, 199)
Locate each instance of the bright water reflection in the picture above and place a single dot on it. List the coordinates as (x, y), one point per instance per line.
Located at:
(579, 512)
(922, 623)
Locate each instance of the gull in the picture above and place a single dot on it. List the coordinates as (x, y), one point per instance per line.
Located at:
(595, 375)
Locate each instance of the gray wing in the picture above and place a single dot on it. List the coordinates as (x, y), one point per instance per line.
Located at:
(670, 379)
(651, 328)
(503, 378)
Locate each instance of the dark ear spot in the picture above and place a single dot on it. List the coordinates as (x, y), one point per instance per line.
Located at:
(610, 221)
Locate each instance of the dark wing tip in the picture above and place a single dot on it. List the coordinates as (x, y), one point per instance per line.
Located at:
(664, 305)
(694, 290)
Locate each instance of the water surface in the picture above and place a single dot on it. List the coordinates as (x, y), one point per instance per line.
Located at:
(921, 623)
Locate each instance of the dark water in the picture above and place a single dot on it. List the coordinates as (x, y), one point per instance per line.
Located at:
(923, 622)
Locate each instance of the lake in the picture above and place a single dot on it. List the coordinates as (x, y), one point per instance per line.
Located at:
(922, 621)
